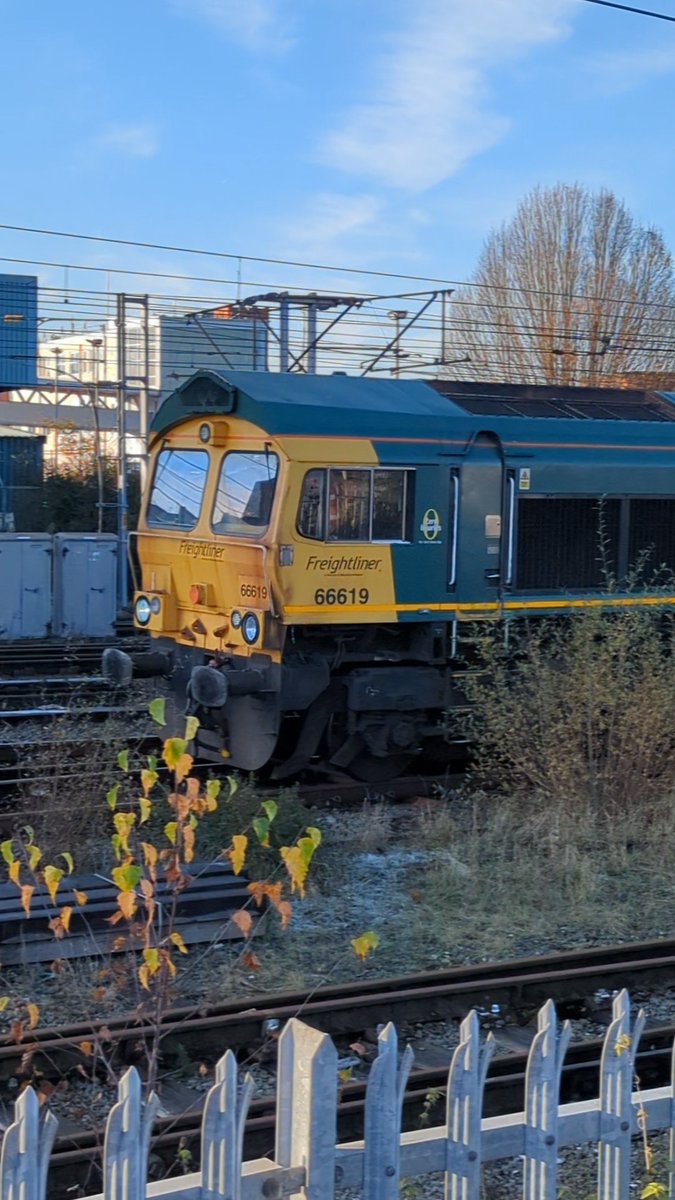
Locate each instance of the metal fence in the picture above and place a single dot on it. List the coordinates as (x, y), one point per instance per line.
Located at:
(307, 1163)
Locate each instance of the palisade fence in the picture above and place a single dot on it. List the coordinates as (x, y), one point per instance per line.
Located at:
(307, 1163)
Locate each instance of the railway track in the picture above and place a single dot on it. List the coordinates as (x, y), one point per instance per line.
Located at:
(518, 987)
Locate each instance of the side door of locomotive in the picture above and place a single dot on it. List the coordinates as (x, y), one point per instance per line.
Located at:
(477, 490)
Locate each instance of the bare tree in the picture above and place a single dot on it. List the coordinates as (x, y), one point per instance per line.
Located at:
(570, 291)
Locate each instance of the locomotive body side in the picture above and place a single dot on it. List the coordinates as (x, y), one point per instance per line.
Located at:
(316, 553)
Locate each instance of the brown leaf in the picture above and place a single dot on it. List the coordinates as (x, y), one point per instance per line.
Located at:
(81, 897)
(33, 1015)
(26, 892)
(250, 961)
(127, 904)
(243, 920)
(119, 943)
(285, 911)
(45, 1090)
(16, 1030)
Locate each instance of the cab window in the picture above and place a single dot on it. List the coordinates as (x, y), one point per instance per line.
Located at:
(177, 489)
(245, 493)
(356, 505)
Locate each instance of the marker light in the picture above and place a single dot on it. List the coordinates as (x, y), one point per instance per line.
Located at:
(250, 627)
(236, 619)
(142, 610)
(155, 605)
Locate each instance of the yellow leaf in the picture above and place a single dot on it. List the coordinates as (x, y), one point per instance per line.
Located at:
(27, 890)
(177, 940)
(7, 851)
(148, 780)
(296, 866)
(151, 959)
(4, 1001)
(170, 830)
(65, 915)
(33, 1015)
(87, 1047)
(149, 854)
(34, 856)
(68, 859)
(172, 751)
(622, 1043)
(53, 877)
(170, 964)
(145, 806)
(14, 869)
(144, 976)
(81, 897)
(363, 945)
(124, 823)
(237, 852)
(191, 727)
(243, 920)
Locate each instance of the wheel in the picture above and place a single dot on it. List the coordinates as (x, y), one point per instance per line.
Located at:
(350, 754)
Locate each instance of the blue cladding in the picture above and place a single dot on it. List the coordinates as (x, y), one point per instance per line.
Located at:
(18, 331)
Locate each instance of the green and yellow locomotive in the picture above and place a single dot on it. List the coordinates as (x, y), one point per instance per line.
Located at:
(314, 548)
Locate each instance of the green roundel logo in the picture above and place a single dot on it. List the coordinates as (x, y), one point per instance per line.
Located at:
(431, 525)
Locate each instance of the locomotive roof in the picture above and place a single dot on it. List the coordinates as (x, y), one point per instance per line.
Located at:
(337, 404)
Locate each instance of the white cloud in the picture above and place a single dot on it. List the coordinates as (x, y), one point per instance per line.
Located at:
(329, 218)
(255, 24)
(139, 140)
(429, 110)
(614, 73)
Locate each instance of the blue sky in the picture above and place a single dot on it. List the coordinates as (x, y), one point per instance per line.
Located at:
(382, 134)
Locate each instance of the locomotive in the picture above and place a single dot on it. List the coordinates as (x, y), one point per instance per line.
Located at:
(318, 552)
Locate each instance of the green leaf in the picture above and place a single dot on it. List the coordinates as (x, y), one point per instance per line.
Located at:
(170, 830)
(123, 760)
(261, 828)
(191, 727)
(157, 710)
(127, 878)
(174, 749)
(7, 852)
(152, 762)
(116, 843)
(111, 797)
(68, 859)
(270, 808)
(314, 834)
(233, 785)
(213, 788)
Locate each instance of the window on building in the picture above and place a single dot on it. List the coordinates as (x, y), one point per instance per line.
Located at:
(245, 493)
(178, 489)
(356, 505)
(567, 544)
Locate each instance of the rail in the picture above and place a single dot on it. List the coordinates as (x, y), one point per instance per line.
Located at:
(308, 1163)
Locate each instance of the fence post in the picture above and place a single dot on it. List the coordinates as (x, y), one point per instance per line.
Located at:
(464, 1107)
(307, 1107)
(26, 1148)
(542, 1096)
(223, 1132)
(127, 1141)
(382, 1124)
(616, 1110)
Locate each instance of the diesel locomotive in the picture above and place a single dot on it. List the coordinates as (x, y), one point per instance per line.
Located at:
(317, 552)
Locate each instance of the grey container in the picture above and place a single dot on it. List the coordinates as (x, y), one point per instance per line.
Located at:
(25, 585)
(85, 573)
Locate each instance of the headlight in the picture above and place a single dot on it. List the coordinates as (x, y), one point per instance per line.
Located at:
(250, 627)
(236, 619)
(155, 605)
(142, 610)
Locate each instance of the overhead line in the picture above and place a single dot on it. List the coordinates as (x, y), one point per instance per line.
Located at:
(642, 12)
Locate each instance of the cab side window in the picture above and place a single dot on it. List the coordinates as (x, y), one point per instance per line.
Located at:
(357, 505)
